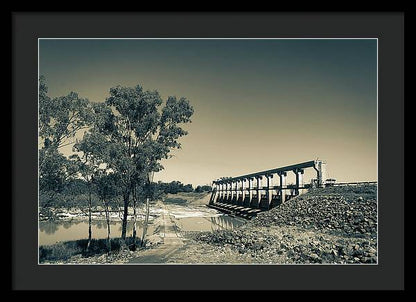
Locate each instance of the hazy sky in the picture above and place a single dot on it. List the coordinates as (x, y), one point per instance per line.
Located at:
(259, 104)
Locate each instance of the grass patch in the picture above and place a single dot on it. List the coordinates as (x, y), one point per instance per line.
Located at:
(175, 200)
(350, 193)
(185, 197)
(64, 250)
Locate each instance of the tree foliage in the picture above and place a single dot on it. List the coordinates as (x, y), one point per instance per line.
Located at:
(60, 119)
(204, 188)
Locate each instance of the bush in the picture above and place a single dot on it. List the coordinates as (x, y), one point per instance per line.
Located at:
(205, 188)
(59, 251)
(64, 250)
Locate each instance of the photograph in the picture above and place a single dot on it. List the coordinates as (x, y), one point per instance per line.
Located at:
(207, 151)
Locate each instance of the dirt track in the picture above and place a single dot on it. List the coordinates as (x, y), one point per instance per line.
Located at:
(171, 242)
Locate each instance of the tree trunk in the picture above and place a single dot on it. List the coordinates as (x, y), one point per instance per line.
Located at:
(134, 218)
(146, 221)
(89, 219)
(125, 215)
(107, 216)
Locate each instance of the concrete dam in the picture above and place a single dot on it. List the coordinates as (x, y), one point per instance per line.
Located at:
(245, 195)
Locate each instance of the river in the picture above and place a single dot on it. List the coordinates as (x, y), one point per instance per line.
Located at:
(186, 218)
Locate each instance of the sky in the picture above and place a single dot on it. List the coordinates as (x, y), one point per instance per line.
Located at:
(259, 103)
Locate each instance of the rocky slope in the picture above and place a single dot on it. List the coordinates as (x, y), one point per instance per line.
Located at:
(328, 225)
(350, 211)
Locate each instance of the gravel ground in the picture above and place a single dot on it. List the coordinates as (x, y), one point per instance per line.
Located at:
(283, 245)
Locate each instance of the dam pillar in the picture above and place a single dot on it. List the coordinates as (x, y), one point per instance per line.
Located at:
(243, 191)
(250, 190)
(320, 168)
(232, 191)
(269, 192)
(229, 192)
(282, 177)
(236, 191)
(299, 181)
(225, 192)
(217, 192)
(213, 197)
(258, 190)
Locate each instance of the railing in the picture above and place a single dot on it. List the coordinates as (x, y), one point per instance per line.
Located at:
(308, 164)
(357, 183)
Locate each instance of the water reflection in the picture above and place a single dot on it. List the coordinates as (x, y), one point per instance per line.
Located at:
(225, 222)
(51, 232)
(209, 223)
(130, 224)
(67, 224)
(49, 227)
(100, 224)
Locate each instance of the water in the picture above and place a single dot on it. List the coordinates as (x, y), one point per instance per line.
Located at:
(208, 223)
(51, 232)
(186, 218)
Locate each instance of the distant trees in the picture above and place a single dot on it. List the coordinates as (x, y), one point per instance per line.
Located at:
(204, 188)
(175, 187)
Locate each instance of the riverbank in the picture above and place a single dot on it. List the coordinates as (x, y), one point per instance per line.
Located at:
(187, 199)
(62, 240)
(323, 226)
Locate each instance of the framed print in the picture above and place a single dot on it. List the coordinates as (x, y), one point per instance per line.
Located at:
(225, 151)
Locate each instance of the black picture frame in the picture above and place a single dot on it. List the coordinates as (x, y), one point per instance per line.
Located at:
(27, 27)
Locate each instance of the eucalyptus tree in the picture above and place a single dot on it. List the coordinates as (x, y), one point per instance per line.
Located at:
(138, 193)
(89, 162)
(140, 130)
(60, 119)
(107, 190)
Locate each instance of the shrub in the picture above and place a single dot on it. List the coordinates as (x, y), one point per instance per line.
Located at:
(64, 250)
